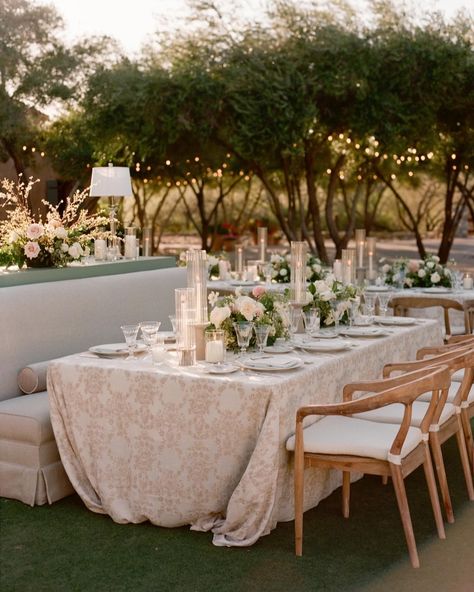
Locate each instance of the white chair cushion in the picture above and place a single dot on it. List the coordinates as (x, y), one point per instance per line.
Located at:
(453, 391)
(356, 437)
(394, 413)
(458, 376)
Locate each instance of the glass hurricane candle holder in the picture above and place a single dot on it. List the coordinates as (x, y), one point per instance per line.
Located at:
(299, 251)
(185, 333)
(215, 346)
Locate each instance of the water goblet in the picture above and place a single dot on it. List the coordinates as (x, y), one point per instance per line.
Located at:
(337, 308)
(261, 336)
(311, 321)
(369, 303)
(130, 333)
(384, 299)
(354, 311)
(294, 318)
(159, 352)
(149, 330)
(243, 332)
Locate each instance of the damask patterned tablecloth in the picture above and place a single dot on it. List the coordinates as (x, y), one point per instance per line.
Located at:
(178, 446)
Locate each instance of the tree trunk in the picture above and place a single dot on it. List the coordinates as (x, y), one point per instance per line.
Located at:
(313, 204)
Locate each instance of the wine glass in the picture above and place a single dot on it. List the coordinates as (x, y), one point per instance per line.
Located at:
(149, 330)
(384, 299)
(172, 319)
(243, 332)
(311, 320)
(130, 333)
(261, 335)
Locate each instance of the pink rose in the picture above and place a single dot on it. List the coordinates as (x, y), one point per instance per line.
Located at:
(34, 231)
(413, 265)
(31, 250)
(258, 291)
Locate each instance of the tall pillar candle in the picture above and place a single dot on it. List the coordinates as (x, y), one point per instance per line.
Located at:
(298, 255)
(130, 249)
(371, 254)
(239, 259)
(360, 246)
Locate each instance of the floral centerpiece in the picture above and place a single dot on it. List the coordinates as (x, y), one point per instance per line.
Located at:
(64, 236)
(213, 260)
(424, 273)
(281, 268)
(329, 290)
(260, 307)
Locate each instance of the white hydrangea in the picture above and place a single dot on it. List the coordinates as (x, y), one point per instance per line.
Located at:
(421, 273)
(75, 251)
(435, 277)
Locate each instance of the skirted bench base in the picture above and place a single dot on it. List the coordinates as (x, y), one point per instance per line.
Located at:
(30, 468)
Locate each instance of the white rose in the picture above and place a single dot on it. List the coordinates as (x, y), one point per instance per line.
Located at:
(436, 258)
(421, 273)
(31, 250)
(309, 272)
(213, 297)
(330, 279)
(211, 260)
(275, 258)
(408, 282)
(259, 309)
(64, 247)
(60, 232)
(309, 297)
(317, 268)
(321, 286)
(283, 272)
(435, 278)
(430, 264)
(75, 251)
(386, 268)
(218, 315)
(326, 296)
(246, 306)
(34, 231)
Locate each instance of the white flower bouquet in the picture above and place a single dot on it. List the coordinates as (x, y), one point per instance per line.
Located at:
(64, 236)
(423, 273)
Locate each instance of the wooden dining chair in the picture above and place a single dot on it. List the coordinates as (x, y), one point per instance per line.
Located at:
(402, 304)
(468, 306)
(339, 440)
(446, 421)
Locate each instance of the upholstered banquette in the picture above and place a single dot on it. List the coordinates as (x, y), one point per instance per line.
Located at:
(44, 321)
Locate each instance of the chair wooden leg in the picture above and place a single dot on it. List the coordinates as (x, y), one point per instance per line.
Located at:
(346, 493)
(299, 501)
(441, 472)
(430, 480)
(468, 437)
(400, 492)
(384, 479)
(464, 459)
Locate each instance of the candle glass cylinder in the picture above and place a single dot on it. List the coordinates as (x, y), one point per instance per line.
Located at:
(262, 240)
(360, 246)
(185, 332)
(371, 257)
(337, 269)
(130, 249)
(100, 249)
(196, 264)
(239, 260)
(215, 346)
(299, 250)
(468, 281)
(348, 266)
(147, 242)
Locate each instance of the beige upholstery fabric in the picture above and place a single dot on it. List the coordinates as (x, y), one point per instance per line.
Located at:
(394, 413)
(30, 467)
(32, 378)
(347, 435)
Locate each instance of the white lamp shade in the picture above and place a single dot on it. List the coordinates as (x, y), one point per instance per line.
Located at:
(110, 181)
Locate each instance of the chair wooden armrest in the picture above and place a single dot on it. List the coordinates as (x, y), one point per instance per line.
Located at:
(440, 349)
(459, 339)
(455, 358)
(378, 385)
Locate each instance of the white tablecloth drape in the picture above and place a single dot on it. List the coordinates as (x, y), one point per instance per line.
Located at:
(177, 446)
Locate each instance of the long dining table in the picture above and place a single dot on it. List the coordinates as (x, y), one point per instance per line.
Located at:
(178, 445)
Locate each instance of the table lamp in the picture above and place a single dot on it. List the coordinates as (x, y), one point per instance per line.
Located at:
(114, 183)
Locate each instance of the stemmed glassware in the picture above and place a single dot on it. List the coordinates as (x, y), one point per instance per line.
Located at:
(149, 330)
(243, 332)
(261, 336)
(172, 319)
(294, 317)
(130, 332)
(354, 311)
(369, 303)
(384, 299)
(337, 312)
(311, 321)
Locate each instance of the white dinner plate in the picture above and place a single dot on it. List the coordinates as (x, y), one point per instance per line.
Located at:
(225, 368)
(363, 332)
(326, 334)
(114, 350)
(278, 349)
(326, 346)
(437, 290)
(377, 289)
(271, 363)
(396, 321)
